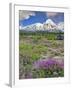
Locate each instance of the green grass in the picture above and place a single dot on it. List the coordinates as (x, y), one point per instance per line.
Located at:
(38, 35)
(34, 52)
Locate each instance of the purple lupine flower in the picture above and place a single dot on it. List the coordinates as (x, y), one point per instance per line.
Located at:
(48, 63)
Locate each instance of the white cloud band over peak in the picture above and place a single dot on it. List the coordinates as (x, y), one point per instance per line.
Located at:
(25, 14)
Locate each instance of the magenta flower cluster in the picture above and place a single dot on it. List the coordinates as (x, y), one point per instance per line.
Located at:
(48, 63)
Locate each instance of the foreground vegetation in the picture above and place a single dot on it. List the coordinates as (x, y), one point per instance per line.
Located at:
(41, 55)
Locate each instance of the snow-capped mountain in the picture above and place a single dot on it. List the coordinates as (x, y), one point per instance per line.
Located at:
(33, 27)
(48, 25)
(39, 26)
(61, 26)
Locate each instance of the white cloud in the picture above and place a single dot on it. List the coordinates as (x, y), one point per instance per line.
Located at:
(51, 14)
(25, 14)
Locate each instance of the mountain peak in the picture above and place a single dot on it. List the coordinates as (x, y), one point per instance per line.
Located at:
(49, 21)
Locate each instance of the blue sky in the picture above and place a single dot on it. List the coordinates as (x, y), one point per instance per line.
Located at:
(31, 17)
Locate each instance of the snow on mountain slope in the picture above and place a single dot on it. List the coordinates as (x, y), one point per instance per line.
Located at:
(32, 27)
(49, 25)
(61, 26)
(49, 21)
